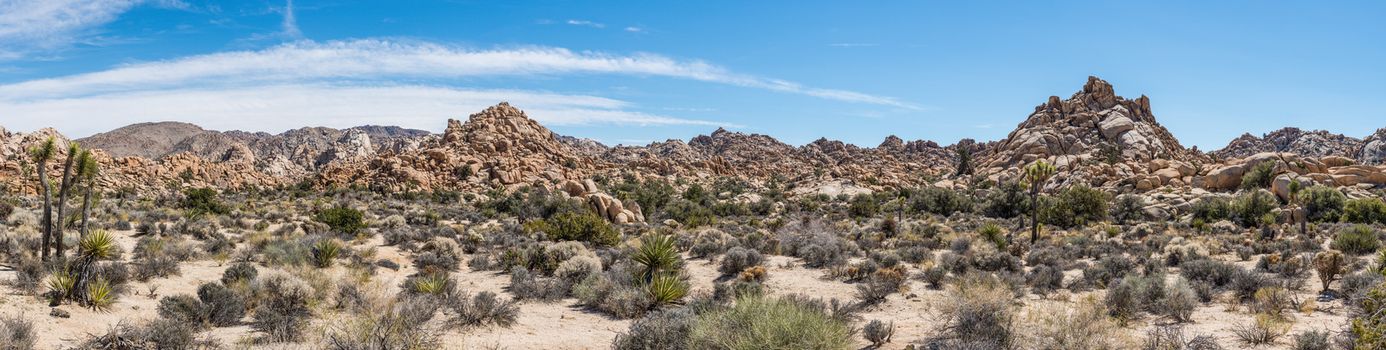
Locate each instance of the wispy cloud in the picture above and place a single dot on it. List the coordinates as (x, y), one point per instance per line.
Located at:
(634, 29)
(290, 22)
(29, 26)
(586, 23)
(308, 61)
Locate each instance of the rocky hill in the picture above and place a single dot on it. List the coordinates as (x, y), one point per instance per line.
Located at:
(1095, 137)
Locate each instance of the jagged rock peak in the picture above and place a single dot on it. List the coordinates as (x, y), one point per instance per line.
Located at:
(892, 142)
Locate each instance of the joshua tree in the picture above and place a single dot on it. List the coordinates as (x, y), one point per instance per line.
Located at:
(41, 155)
(1036, 174)
(964, 161)
(68, 179)
(87, 169)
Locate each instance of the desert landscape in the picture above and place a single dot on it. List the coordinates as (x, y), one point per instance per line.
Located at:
(692, 175)
(1089, 226)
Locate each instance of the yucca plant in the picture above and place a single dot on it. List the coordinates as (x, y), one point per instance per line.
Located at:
(993, 233)
(61, 283)
(324, 251)
(1036, 174)
(100, 295)
(656, 255)
(99, 245)
(667, 288)
(433, 284)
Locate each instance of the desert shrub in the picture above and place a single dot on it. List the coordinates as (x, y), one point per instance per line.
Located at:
(1108, 269)
(342, 219)
(1355, 286)
(1245, 284)
(1044, 279)
(222, 306)
(737, 259)
(1128, 208)
(1311, 340)
(880, 285)
(1135, 293)
(1006, 200)
(1365, 211)
(1210, 209)
(1085, 325)
(1322, 203)
(1180, 301)
(183, 308)
(1250, 207)
(399, 325)
(29, 272)
(1075, 206)
(282, 312)
(582, 225)
(934, 276)
(877, 332)
(1264, 329)
(198, 201)
(17, 333)
(1214, 273)
(818, 250)
(664, 329)
(576, 269)
(1357, 240)
(1171, 337)
(863, 205)
(940, 201)
(485, 308)
(1329, 264)
(977, 311)
(627, 302)
(764, 323)
(439, 254)
(1259, 176)
(1368, 327)
(525, 285)
(689, 213)
(241, 272)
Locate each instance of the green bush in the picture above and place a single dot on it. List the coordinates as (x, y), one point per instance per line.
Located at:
(1259, 176)
(1322, 203)
(1357, 240)
(1365, 211)
(1006, 201)
(689, 213)
(1075, 206)
(1250, 207)
(342, 219)
(863, 205)
(939, 201)
(1212, 209)
(763, 323)
(203, 201)
(583, 226)
(653, 195)
(1128, 208)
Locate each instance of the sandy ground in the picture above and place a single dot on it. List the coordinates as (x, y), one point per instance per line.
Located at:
(565, 325)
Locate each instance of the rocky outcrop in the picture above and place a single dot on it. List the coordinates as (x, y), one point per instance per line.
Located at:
(1373, 149)
(1317, 144)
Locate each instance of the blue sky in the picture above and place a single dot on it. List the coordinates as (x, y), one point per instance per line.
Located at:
(638, 71)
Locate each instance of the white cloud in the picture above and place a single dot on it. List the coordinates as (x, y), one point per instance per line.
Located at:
(28, 26)
(586, 23)
(276, 108)
(634, 29)
(308, 61)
